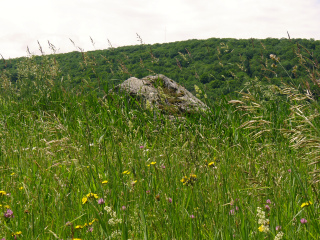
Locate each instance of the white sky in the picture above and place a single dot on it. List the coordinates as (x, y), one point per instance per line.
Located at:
(23, 22)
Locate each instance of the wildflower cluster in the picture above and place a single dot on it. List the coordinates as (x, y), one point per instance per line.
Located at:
(86, 224)
(8, 214)
(189, 180)
(88, 197)
(113, 220)
(152, 163)
(279, 236)
(262, 221)
(305, 204)
(15, 234)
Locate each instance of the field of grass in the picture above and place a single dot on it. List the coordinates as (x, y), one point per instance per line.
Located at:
(75, 165)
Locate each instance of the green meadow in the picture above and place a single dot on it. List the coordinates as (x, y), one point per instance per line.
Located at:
(78, 162)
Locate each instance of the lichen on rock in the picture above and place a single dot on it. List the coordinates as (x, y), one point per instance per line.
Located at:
(161, 92)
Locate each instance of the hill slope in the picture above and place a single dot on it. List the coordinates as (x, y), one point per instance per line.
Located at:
(219, 66)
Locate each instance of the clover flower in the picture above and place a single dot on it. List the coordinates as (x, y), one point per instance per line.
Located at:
(8, 214)
(303, 220)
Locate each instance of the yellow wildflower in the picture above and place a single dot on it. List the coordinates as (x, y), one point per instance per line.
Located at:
(126, 172)
(211, 164)
(104, 182)
(261, 228)
(12, 174)
(92, 195)
(153, 163)
(3, 193)
(184, 179)
(134, 182)
(20, 188)
(306, 204)
(89, 196)
(16, 233)
(94, 220)
(84, 200)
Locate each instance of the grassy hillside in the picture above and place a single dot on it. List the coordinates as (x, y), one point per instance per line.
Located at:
(76, 165)
(219, 66)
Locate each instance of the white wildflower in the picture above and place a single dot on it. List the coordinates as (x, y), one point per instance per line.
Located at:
(108, 209)
(111, 222)
(262, 217)
(115, 234)
(279, 236)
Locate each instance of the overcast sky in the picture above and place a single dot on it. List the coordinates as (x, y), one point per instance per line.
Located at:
(24, 22)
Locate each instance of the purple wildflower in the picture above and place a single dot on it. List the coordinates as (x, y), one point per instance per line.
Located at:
(170, 200)
(90, 229)
(124, 208)
(232, 212)
(141, 147)
(303, 220)
(101, 201)
(278, 228)
(192, 216)
(289, 170)
(8, 214)
(267, 208)
(237, 208)
(163, 166)
(268, 201)
(148, 191)
(68, 223)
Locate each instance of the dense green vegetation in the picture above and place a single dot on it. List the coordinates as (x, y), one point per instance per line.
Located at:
(77, 162)
(220, 66)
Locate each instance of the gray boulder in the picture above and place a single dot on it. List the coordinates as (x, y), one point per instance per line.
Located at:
(161, 92)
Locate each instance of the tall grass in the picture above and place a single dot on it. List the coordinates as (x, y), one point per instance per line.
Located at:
(75, 165)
